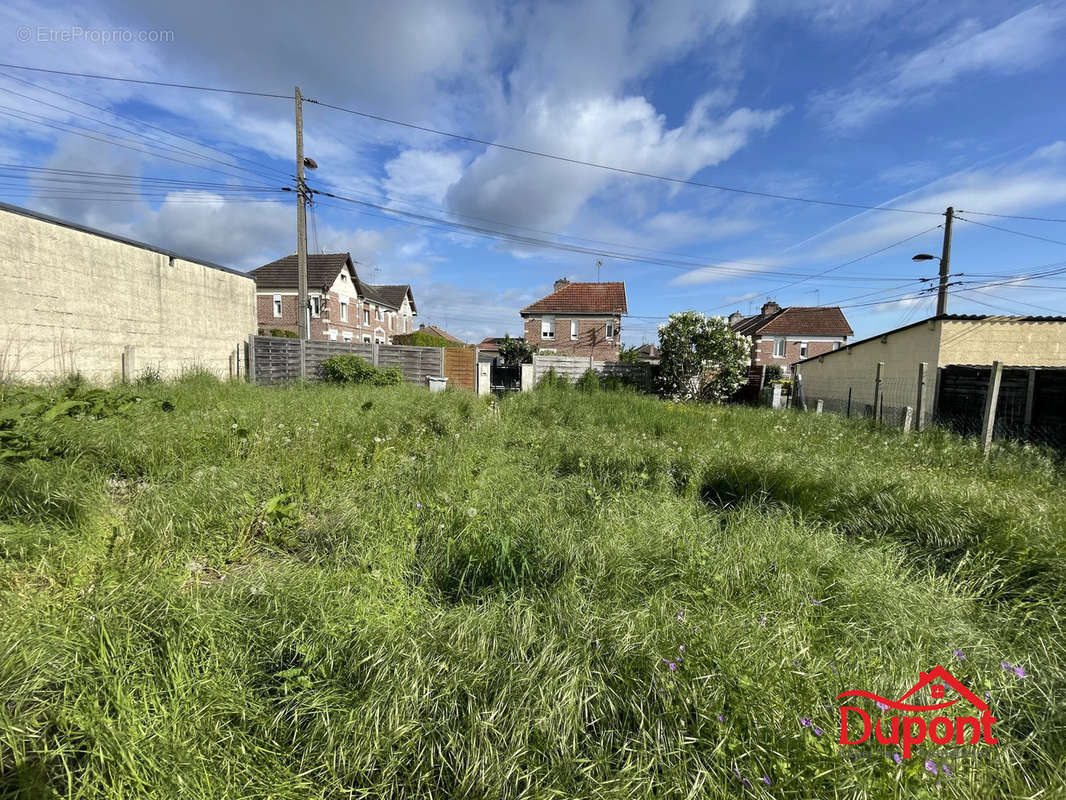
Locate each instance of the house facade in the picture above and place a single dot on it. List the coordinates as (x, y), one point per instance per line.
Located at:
(782, 336)
(578, 319)
(342, 306)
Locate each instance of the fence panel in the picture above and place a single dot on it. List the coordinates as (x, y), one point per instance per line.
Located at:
(460, 367)
(573, 367)
(277, 359)
(417, 363)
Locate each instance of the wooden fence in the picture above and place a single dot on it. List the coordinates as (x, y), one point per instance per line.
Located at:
(460, 367)
(573, 367)
(274, 359)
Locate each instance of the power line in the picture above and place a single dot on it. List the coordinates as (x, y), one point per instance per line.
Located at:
(147, 82)
(1014, 216)
(140, 122)
(1010, 230)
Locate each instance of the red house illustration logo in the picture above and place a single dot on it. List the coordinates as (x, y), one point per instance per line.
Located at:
(908, 731)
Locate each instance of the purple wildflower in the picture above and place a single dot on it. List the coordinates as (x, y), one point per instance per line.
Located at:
(418, 505)
(1005, 665)
(681, 648)
(897, 758)
(766, 780)
(946, 770)
(681, 615)
(816, 602)
(958, 654)
(817, 731)
(762, 622)
(673, 667)
(930, 766)
(881, 705)
(805, 722)
(721, 718)
(1020, 672)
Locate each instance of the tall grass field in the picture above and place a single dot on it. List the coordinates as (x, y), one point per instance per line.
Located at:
(215, 590)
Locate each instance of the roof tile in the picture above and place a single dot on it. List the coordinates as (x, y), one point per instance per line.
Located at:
(582, 298)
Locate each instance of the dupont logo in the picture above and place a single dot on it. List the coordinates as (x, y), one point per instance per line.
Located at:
(919, 722)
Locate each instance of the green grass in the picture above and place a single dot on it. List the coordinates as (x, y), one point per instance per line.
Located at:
(220, 590)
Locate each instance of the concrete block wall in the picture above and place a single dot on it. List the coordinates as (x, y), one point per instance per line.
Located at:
(74, 300)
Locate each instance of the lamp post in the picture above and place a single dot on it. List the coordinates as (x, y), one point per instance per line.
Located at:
(945, 263)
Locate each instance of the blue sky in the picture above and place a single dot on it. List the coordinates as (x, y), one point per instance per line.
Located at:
(909, 105)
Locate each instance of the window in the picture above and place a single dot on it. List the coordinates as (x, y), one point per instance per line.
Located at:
(366, 317)
(779, 347)
(547, 328)
(333, 334)
(366, 339)
(316, 305)
(347, 336)
(610, 331)
(381, 314)
(803, 349)
(573, 329)
(277, 305)
(836, 345)
(344, 310)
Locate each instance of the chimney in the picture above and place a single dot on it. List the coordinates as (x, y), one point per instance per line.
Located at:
(421, 326)
(770, 307)
(735, 317)
(559, 284)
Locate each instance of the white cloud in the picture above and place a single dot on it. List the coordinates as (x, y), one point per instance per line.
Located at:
(520, 189)
(1020, 43)
(422, 175)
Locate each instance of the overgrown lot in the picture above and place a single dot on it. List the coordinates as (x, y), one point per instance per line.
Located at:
(216, 590)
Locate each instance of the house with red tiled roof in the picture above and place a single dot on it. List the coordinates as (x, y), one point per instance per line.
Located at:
(783, 336)
(578, 319)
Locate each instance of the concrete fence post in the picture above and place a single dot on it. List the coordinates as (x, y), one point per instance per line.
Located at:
(908, 415)
(374, 350)
(249, 357)
(775, 400)
(848, 413)
(527, 377)
(303, 359)
(484, 378)
(1030, 391)
(877, 391)
(232, 365)
(922, 407)
(991, 400)
(818, 406)
(129, 363)
(443, 363)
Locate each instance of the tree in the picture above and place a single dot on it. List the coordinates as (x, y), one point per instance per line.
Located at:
(629, 355)
(516, 351)
(701, 357)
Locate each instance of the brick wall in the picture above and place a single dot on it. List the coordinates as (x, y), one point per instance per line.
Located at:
(591, 337)
(329, 318)
(762, 352)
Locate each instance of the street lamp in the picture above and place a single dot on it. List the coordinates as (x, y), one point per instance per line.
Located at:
(924, 257)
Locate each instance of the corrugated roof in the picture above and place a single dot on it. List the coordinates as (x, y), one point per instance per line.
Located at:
(582, 298)
(797, 320)
(940, 318)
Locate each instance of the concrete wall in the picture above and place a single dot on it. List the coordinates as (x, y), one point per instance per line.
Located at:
(830, 376)
(72, 300)
(1015, 343)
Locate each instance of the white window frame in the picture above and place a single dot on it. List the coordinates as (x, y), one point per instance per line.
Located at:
(611, 332)
(779, 347)
(573, 329)
(277, 305)
(381, 314)
(346, 335)
(315, 301)
(344, 310)
(366, 339)
(366, 316)
(547, 327)
(333, 334)
(803, 349)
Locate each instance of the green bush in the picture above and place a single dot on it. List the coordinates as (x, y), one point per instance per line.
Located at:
(283, 333)
(553, 380)
(423, 339)
(350, 368)
(589, 381)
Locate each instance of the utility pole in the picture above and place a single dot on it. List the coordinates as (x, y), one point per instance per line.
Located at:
(301, 227)
(945, 264)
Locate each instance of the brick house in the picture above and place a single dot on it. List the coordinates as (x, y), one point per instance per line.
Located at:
(579, 319)
(783, 336)
(342, 306)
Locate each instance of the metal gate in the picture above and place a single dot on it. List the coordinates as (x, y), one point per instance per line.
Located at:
(505, 379)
